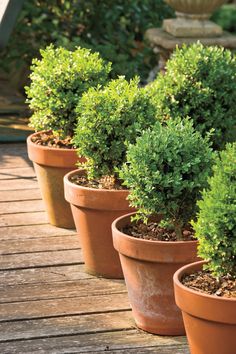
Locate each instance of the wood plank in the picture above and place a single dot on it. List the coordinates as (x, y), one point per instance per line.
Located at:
(12, 173)
(82, 287)
(33, 232)
(17, 206)
(44, 275)
(19, 183)
(23, 219)
(100, 342)
(61, 307)
(24, 194)
(14, 155)
(56, 326)
(59, 243)
(40, 259)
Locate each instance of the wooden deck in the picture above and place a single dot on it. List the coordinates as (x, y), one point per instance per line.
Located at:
(48, 304)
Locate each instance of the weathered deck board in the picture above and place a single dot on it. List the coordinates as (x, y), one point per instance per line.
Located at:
(43, 275)
(17, 206)
(66, 325)
(24, 194)
(22, 183)
(23, 219)
(122, 341)
(40, 259)
(32, 232)
(59, 307)
(13, 173)
(59, 243)
(85, 287)
(48, 304)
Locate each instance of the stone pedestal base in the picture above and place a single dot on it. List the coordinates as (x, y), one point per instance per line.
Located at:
(164, 43)
(184, 27)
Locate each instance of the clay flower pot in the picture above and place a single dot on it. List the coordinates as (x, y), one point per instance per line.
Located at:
(148, 268)
(94, 210)
(50, 166)
(210, 321)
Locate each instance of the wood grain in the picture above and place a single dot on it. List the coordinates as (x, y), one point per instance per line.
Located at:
(33, 232)
(60, 307)
(24, 194)
(18, 206)
(46, 244)
(119, 341)
(40, 259)
(14, 173)
(23, 219)
(51, 290)
(42, 275)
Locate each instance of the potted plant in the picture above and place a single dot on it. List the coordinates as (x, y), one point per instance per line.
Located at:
(58, 80)
(199, 82)
(206, 291)
(165, 171)
(108, 119)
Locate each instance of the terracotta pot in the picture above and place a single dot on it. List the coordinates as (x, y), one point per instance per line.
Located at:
(94, 210)
(148, 268)
(210, 321)
(50, 166)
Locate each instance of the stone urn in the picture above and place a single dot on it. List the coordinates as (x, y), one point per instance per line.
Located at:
(192, 18)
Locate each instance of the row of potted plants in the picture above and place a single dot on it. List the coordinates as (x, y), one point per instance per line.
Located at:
(151, 144)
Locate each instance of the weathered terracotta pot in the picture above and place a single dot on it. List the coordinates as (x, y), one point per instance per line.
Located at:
(50, 166)
(148, 268)
(210, 321)
(94, 210)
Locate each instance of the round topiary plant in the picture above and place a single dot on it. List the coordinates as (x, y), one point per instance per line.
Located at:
(109, 119)
(165, 172)
(215, 227)
(58, 81)
(200, 82)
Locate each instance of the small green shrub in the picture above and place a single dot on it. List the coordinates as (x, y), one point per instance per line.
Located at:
(108, 119)
(165, 171)
(200, 82)
(216, 224)
(58, 81)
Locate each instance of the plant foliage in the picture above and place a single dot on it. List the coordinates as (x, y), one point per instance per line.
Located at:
(166, 170)
(216, 224)
(108, 119)
(114, 28)
(58, 81)
(225, 16)
(200, 82)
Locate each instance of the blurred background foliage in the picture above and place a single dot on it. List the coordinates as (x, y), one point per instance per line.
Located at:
(114, 28)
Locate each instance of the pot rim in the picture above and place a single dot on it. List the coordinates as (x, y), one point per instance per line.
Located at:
(180, 272)
(143, 241)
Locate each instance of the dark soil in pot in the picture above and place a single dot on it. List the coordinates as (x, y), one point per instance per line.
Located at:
(205, 282)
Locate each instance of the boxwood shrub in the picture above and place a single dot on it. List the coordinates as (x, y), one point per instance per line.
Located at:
(108, 119)
(200, 82)
(58, 81)
(166, 170)
(216, 224)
